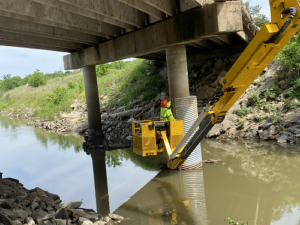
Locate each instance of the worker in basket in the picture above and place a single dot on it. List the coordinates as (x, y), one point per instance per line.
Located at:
(165, 111)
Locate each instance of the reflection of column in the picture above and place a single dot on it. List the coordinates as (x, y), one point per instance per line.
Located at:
(100, 179)
(193, 190)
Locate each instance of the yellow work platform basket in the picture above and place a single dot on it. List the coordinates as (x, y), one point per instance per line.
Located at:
(147, 140)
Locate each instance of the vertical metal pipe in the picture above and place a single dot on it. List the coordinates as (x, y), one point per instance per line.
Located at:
(177, 71)
(100, 179)
(186, 110)
(96, 135)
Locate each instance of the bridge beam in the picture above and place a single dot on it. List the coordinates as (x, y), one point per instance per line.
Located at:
(41, 30)
(96, 136)
(83, 12)
(166, 6)
(144, 7)
(48, 15)
(212, 20)
(113, 9)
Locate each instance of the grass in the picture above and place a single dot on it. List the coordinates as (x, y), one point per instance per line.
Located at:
(54, 98)
(130, 83)
(20, 98)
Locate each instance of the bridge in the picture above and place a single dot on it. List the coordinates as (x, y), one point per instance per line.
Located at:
(101, 31)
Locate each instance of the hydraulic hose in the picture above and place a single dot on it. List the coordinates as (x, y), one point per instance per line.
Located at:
(292, 12)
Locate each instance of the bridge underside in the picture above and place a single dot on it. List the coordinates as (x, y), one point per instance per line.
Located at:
(102, 31)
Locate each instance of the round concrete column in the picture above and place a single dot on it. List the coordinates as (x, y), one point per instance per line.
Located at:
(96, 135)
(177, 71)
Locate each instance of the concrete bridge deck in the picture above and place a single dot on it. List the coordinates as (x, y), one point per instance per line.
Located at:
(101, 31)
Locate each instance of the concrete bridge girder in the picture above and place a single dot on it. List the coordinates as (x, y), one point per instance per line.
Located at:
(216, 19)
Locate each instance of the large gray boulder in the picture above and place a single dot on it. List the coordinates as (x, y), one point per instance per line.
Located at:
(265, 126)
(5, 219)
(70, 205)
(282, 139)
(84, 221)
(294, 129)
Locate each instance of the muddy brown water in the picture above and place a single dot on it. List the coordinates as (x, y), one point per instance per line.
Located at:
(257, 182)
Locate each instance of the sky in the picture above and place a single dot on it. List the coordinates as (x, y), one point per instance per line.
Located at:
(22, 61)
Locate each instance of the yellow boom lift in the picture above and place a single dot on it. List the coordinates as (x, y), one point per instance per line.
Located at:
(150, 137)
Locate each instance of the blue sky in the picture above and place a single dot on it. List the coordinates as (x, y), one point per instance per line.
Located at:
(22, 61)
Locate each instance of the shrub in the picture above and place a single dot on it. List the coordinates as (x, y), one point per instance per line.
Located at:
(80, 84)
(288, 105)
(294, 91)
(102, 69)
(271, 108)
(243, 111)
(58, 94)
(36, 79)
(269, 93)
(71, 85)
(241, 123)
(258, 119)
(255, 100)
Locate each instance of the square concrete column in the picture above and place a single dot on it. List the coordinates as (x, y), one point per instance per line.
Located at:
(177, 71)
(96, 135)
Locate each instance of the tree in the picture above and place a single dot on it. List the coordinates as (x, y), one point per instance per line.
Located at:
(36, 79)
(6, 82)
(259, 19)
(102, 69)
(16, 81)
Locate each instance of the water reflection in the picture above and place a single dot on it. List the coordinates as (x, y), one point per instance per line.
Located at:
(256, 180)
(100, 180)
(181, 192)
(45, 138)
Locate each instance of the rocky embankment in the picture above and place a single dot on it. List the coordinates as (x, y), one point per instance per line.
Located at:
(21, 206)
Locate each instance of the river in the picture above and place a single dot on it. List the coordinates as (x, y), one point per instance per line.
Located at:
(257, 182)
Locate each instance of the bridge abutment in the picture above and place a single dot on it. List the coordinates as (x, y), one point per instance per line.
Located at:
(185, 106)
(96, 136)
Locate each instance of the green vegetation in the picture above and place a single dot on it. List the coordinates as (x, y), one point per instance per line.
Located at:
(130, 82)
(259, 81)
(288, 105)
(231, 221)
(36, 79)
(243, 111)
(122, 83)
(241, 123)
(259, 19)
(255, 100)
(268, 107)
(258, 119)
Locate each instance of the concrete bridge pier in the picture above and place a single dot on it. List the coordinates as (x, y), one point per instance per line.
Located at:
(96, 136)
(185, 105)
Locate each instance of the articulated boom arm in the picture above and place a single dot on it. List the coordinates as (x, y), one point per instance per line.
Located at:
(260, 52)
